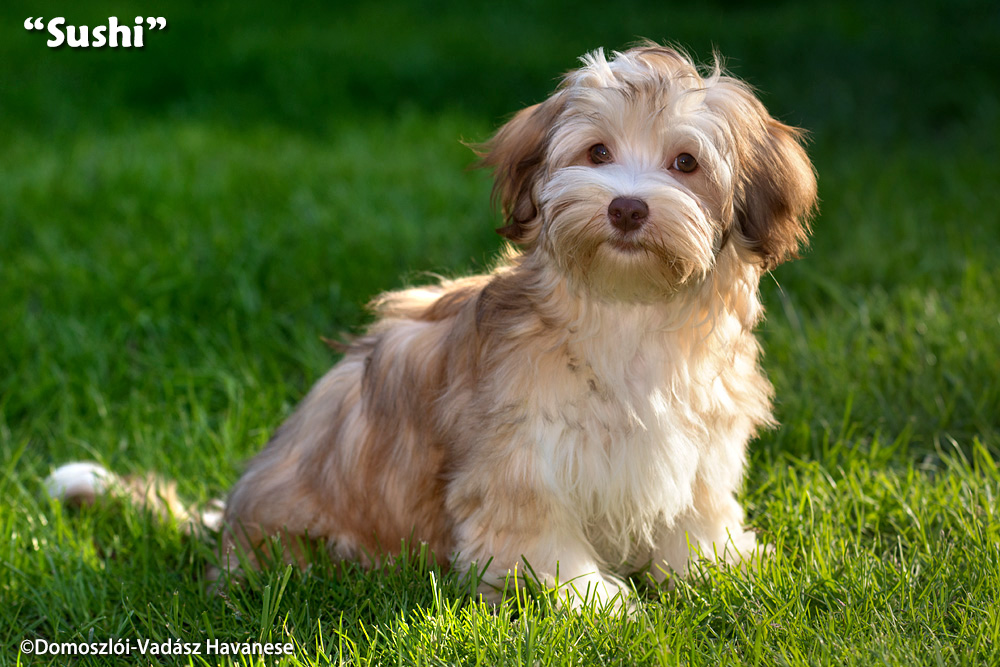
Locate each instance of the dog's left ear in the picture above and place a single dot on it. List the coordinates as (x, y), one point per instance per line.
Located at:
(775, 193)
(517, 155)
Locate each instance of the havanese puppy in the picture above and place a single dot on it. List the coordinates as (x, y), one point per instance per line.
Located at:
(583, 410)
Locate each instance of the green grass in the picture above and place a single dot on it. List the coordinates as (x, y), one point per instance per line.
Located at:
(179, 227)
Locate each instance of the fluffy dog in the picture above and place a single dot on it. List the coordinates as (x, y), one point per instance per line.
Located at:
(585, 407)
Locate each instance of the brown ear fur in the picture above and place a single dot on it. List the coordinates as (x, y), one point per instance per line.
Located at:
(517, 153)
(776, 194)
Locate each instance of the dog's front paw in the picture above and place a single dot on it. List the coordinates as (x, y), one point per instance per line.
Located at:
(678, 554)
(576, 590)
(596, 591)
(739, 547)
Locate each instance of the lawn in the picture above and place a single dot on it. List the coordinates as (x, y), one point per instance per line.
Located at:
(181, 226)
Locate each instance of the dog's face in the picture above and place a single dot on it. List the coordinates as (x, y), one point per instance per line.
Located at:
(638, 171)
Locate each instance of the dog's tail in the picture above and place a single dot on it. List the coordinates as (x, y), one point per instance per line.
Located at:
(82, 483)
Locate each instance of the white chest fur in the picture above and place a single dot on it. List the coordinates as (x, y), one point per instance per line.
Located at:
(624, 421)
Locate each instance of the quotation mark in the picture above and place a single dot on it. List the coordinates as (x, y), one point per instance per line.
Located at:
(35, 24)
(157, 23)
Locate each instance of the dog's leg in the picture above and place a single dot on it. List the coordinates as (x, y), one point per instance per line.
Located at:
(539, 549)
(711, 529)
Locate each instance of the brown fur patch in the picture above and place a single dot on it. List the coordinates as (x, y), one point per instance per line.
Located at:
(516, 154)
(777, 194)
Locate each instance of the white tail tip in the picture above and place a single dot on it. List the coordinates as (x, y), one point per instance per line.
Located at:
(79, 482)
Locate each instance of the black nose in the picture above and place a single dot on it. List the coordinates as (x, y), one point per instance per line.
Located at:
(628, 214)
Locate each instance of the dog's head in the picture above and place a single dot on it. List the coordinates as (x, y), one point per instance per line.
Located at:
(639, 170)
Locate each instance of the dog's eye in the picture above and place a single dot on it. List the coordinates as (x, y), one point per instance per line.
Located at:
(599, 154)
(685, 162)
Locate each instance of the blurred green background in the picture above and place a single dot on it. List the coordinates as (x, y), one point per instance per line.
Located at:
(179, 224)
(880, 71)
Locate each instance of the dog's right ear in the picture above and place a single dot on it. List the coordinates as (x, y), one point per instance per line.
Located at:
(516, 153)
